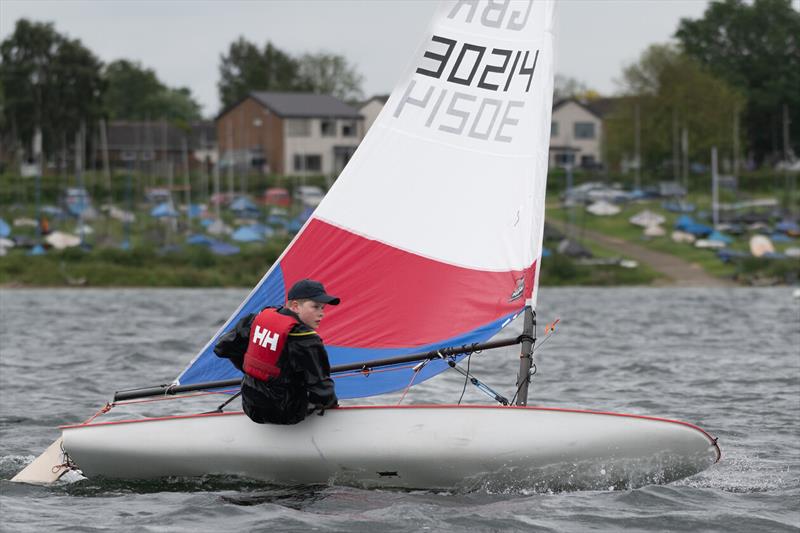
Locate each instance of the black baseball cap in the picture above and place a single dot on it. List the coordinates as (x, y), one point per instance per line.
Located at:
(308, 289)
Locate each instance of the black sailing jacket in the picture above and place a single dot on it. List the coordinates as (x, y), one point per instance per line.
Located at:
(304, 380)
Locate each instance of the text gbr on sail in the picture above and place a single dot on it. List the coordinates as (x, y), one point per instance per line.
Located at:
(495, 14)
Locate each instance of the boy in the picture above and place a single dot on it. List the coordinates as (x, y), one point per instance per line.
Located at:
(285, 364)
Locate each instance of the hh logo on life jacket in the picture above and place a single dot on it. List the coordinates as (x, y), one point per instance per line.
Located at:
(264, 337)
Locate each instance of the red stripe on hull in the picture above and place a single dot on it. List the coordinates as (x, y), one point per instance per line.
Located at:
(396, 298)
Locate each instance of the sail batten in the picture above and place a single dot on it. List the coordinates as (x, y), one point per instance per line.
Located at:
(432, 233)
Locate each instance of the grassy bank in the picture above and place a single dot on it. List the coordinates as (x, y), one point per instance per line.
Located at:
(148, 263)
(140, 267)
(198, 267)
(748, 270)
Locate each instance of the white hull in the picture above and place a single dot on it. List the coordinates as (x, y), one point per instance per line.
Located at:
(414, 447)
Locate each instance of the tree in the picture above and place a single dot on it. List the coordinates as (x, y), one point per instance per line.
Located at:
(131, 87)
(136, 93)
(78, 77)
(330, 74)
(176, 105)
(672, 92)
(49, 82)
(754, 46)
(245, 68)
(567, 87)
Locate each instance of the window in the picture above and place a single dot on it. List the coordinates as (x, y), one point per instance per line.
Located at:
(587, 161)
(328, 127)
(298, 127)
(307, 163)
(554, 129)
(349, 128)
(341, 156)
(567, 158)
(584, 130)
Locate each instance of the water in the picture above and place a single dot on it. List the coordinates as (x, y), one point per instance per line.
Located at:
(726, 359)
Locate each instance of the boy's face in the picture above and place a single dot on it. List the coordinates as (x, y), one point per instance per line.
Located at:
(309, 311)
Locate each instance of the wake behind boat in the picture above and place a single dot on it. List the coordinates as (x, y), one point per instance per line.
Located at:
(425, 283)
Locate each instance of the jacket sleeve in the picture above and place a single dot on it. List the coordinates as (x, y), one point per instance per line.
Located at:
(311, 358)
(233, 343)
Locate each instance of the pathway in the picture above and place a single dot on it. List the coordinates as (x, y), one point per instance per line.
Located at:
(680, 272)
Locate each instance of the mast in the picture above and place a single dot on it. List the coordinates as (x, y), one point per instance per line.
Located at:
(230, 158)
(685, 150)
(38, 160)
(166, 168)
(216, 189)
(204, 169)
(526, 356)
(638, 147)
(714, 188)
(106, 166)
(675, 144)
(79, 153)
(126, 242)
(187, 185)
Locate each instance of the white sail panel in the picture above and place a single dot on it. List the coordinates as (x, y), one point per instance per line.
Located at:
(455, 166)
(431, 234)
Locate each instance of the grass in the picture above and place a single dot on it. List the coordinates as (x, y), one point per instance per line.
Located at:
(142, 267)
(560, 270)
(618, 226)
(146, 265)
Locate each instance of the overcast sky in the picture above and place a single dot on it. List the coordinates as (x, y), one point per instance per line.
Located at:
(183, 40)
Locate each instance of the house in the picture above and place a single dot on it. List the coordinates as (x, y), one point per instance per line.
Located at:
(371, 108)
(576, 131)
(154, 146)
(288, 133)
(576, 135)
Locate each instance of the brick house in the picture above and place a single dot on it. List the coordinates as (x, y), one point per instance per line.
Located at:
(151, 146)
(288, 133)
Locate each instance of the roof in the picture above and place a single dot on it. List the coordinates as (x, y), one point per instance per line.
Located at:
(382, 98)
(604, 106)
(565, 101)
(133, 135)
(305, 105)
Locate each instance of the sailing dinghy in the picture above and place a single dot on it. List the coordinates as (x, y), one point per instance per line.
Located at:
(424, 282)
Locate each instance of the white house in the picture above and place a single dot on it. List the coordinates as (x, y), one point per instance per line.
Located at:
(370, 109)
(576, 133)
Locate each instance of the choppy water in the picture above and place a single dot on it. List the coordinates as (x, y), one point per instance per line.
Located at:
(726, 359)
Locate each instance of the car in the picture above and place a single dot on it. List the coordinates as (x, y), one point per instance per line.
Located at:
(309, 195)
(277, 196)
(77, 201)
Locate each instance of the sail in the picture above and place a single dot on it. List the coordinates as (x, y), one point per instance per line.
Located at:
(432, 233)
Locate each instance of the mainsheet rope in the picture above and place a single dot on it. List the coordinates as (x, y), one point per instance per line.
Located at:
(110, 405)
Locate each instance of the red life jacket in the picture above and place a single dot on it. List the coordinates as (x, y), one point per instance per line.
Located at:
(268, 335)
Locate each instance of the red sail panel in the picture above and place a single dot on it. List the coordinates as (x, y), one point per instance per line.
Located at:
(393, 298)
